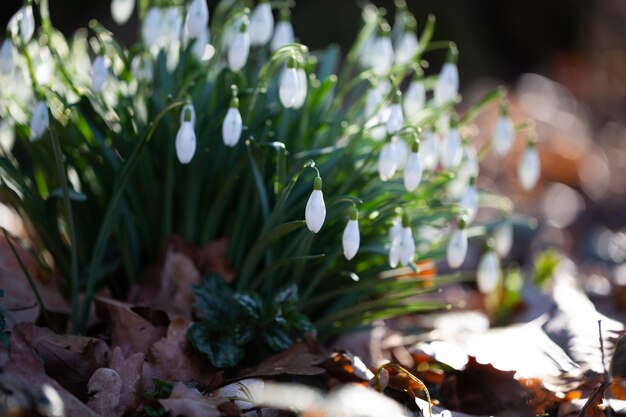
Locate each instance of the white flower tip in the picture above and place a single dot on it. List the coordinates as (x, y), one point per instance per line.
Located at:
(315, 212)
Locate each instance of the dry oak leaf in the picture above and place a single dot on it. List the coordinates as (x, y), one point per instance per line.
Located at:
(130, 371)
(189, 402)
(105, 389)
(297, 360)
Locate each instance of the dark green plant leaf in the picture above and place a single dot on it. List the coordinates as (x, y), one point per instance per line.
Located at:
(250, 303)
(222, 351)
(278, 339)
(214, 301)
(287, 295)
(243, 333)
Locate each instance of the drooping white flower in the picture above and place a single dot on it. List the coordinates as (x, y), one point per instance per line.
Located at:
(407, 244)
(388, 160)
(488, 273)
(529, 167)
(172, 24)
(233, 125)
(504, 132)
(468, 168)
(202, 48)
(469, 201)
(151, 27)
(414, 97)
(503, 238)
(373, 102)
(382, 53)
(122, 10)
(351, 238)
(429, 150)
(99, 74)
(302, 88)
(197, 19)
(289, 87)
(26, 21)
(447, 86)
(457, 246)
(40, 120)
(413, 169)
(407, 47)
(395, 242)
(261, 23)
(239, 48)
(315, 212)
(186, 137)
(396, 117)
(7, 58)
(283, 33)
(451, 148)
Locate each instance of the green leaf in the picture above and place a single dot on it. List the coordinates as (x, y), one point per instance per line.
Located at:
(277, 339)
(242, 333)
(301, 322)
(250, 303)
(214, 301)
(73, 195)
(287, 294)
(221, 351)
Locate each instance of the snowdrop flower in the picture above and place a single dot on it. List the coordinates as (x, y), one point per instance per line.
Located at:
(503, 239)
(467, 169)
(529, 167)
(172, 24)
(451, 149)
(413, 169)
(388, 160)
(407, 46)
(382, 52)
(201, 48)
(302, 88)
(315, 212)
(289, 87)
(121, 10)
(26, 21)
(232, 126)
(504, 132)
(395, 242)
(396, 117)
(239, 48)
(447, 86)
(186, 137)
(40, 121)
(457, 246)
(151, 27)
(99, 74)
(429, 150)
(488, 273)
(261, 23)
(7, 58)
(197, 19)
(415, 96)
(373, 102)
(283, 33)
(469, 201)
(407, 244)
(351, 238)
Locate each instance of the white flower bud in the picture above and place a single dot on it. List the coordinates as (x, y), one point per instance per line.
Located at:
(387, 161)
(529, 168)
(395, 242)
(186, 137)
(302, 89)
(173, 24)
(232, 126)
(413, 172)
(407, 249)
(99, 74)
(414, 98)
(503, 237)
(315, 212)
(261, 24)
(457, 248)
(7, 58)
(396, 118)
(373, 102)
(406, 48)
(122, 10)
(451, 149)
(447, 86)
(469, 201)
(201, 48)
(351, 239)
(429, 150)
(382, 56)
(503, 136)
(40, 120)
(283, 34)
(26, 21)
(488, 273)
(151, 27)
(289, 87)
(197, 19)
(239, 50)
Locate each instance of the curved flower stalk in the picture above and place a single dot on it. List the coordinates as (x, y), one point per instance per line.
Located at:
(447, 87)
(429, 149)
(315, 211)
(197, 19)
(40, 120)
(261, 24)
(122, 10)
(451, 149)
(529, 166)
(504, 132)
(99, 74)
(7, 59)
(469, 201)
(407, 244)
(395, 121)
(289, 88)
(283, 32)
(186, 137)
(351, 238)
(457, 246)
(26, 20)
(415, 96)
(239, 47)
(395, 242)
(488, 273)
(413, 169)
(408, 45)
(503, 239)
(233, 125)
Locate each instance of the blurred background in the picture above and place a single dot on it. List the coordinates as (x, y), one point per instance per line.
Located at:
(564, 64)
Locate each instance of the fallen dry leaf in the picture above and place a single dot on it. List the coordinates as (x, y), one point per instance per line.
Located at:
(297, 360)
(105, 389)
(348, 367)
(189, 402)
(592, 406)
(130, 371)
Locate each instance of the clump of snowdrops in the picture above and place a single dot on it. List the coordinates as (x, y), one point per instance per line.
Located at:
(331, 178)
